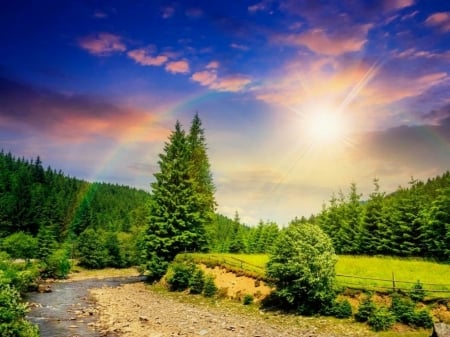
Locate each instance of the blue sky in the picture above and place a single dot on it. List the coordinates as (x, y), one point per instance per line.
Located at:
(298, 98)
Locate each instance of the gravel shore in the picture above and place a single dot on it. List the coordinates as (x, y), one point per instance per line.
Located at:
(135, 310)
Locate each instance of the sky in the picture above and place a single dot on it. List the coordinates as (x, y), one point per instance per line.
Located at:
(298, 98)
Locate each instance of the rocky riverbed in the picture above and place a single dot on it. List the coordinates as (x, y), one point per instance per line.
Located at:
(135, 310)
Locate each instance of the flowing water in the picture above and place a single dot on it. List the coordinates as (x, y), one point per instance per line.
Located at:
(67, 310)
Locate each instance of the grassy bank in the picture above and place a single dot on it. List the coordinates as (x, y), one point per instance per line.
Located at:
(360, 272)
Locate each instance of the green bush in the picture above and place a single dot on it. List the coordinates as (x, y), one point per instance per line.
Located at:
(210, 288)
(197, 282)
(365, 310)
(12, 315)
(155, 268)
(417, 293)
(302, 269)
(20, 245)
(405, 312)
(248, 299)
(57, 265)
(92, 249)
(381, 319)
(403, 309)
(342, 309)
(423, 319)
(179, 275)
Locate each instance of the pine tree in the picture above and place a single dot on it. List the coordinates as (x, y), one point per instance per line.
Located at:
(437, 230)
(183, 201)
(200, 169)
(374, 223)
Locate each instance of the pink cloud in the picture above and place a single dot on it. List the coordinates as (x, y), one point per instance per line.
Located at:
(318, 41)
(440, 20)
(212, 65)
(231, 83)
(178, 67)
(397, 4)
(142, 57)
(102, 44)
(73, 118)
(205, 78)
(260, 6)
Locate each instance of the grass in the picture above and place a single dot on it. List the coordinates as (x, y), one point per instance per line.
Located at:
(405, 272)
(362, 269)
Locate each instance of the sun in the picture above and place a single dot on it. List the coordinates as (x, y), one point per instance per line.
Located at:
(324, 126)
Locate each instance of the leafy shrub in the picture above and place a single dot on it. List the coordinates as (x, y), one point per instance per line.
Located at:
(381, 319)
(210, 288)
(248, 299)
(92, 250)
(57, 265)
(302, 268)
(179, 275)
(197, 282)
(20, 245)
(365, 310)
(417, 293)
(12, 315)
(342, 309)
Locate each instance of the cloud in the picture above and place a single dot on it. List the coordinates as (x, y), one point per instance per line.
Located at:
(389, 5)
(239, 46)
(321, 42)
(142, 56)
(259, 6)
(440, 20)
(102, 44)
(209, 78)
(232, 83)
(205, 78)
(212, 65)
(178, 67)
(438, 116)
(70, 118)
(411, 149)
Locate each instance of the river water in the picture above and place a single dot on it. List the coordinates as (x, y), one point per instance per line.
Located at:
(58, 313)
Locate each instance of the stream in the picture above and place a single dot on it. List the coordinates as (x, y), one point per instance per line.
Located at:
(67, 311)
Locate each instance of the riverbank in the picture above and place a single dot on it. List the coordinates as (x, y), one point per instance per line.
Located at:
(140, 310)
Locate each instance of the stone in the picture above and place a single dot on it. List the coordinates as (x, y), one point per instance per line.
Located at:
(441, 330)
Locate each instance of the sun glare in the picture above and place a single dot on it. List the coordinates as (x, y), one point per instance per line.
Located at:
(324, 127)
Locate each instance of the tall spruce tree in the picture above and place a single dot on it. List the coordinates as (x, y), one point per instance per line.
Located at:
(200, 170)
(183, 200)
(374, 223)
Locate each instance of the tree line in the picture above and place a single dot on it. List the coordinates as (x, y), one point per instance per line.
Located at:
(42, 210)
(412, 221)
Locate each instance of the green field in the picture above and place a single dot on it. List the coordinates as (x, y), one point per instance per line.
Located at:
(360, 272)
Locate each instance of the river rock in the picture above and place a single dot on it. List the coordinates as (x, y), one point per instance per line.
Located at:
(441, 330)
(44, 288)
